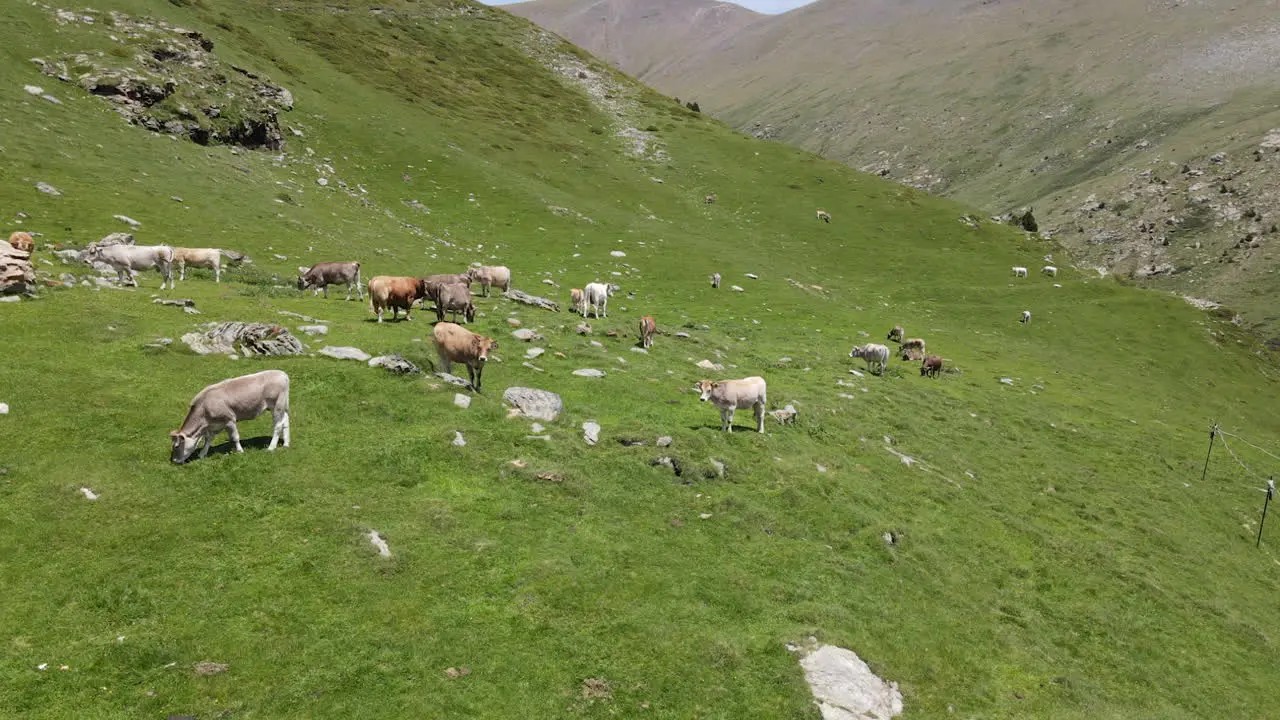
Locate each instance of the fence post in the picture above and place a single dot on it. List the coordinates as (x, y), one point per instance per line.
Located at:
(1213, 434)
(1271, 488)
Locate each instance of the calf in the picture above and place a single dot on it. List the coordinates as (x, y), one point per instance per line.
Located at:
(931, 366)
(223, 404)
(647, 329)
(455, 343)
(22, 242)
(395, 292)
(127, 259)
(877, 356)
(1049, 270)
(498, 276)
(1026, 317)
(912, 349)
(576, 299)
(896, 334)
(210, 258)
(322, 275)
(1019, 271)
(824, 216)
(455, 298)
(433, 283)
(595, 296)
(731, 395)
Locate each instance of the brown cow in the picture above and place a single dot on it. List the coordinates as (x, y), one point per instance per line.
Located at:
(931, 366)
(455, 343)
(647, 329)
(22, 242)
(455, 298)
(395, 292)
(321, 275)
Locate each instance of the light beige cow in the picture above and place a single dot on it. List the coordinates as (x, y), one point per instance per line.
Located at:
(731, 395)
(223, 404)
(210, 258)
(498, 276)
(455, 343)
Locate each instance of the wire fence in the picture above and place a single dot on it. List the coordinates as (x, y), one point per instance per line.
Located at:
(1223, 435)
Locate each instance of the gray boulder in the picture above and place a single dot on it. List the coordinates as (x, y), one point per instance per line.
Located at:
(533, 403)
(340, 352)
(394, 363)
(589, 372)
(244, 338)
(591, 432)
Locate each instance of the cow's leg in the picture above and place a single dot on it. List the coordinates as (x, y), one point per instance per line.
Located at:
(479, 372)
(759, 417)
(605, 306)
(279, 429)
(727, 415)
(205, 440)
(234, 433)
(326, 291)
(182, 271)
(217, 272)
(286, 428)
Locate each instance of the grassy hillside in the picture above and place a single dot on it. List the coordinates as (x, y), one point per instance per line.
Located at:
(1056, 554)
(1060, 106)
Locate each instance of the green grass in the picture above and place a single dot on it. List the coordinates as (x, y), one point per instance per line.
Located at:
(1081, 570)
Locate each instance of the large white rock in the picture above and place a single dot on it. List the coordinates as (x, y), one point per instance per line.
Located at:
(345, 353)
(533, 403)
(591, 432)
(845, 687)
(589, 372)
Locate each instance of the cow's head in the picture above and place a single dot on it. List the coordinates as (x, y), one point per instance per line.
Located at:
(465, 278)
(482, 346)
(302, 282)
(183, 446)
(704, 388)
(856, 351)
(612, 288)
(472, 272)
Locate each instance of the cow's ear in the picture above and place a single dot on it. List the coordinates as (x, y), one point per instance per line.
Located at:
(173, 433)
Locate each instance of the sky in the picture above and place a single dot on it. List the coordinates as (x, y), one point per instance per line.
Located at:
(763, 6)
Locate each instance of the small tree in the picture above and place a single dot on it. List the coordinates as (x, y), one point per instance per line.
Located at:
(1028, 221)
(693, 106)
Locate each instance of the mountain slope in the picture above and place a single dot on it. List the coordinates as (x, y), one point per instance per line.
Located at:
(1010, 104)
(1051, 549)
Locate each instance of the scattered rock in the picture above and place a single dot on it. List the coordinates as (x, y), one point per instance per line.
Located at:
(537, 404)
(1007, 381)
(190, 310)
(246, 338)
(48, 189)
(1218, 158)
(454, 673)
(378, 542)
(128, 221)
(708, 365)
(176, 302)
(88, 494)
(597, 344)
(458, 440)
(513, 322)
(591, 432)
(618, 253)
(207, 668)
(525, 334)
(454, 380)
(33, 89)
(534, 352)
(704, 516)
(664, 441)
(682, 334)
(342, 352)
(890, 538)
(736, 288)
(524, 297)
(536, 428)
(395, 364)
(313, 330)
(462, 401)
(589, 372)
(845, 687)
(821, 468)
(583, 329)
(4, 408)
(717, 467)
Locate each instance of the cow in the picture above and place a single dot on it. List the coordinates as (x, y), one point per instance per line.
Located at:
(931, 366)
(433, 283)
(595, 296)
(896, 334)
(127, 259)
(1019, 271)
(647, 330)
(395, 292)
(22, 242)
(210, 258)
(731, 395)
(710, 199)
(824, 216)
(321, 275)
(912, 349)
(715, 280)
(497, 276)
(874, 355)
(576, 299)
(1026, 317)
(455, 343)
(223, 404)
(1049, 270)
(455, 298)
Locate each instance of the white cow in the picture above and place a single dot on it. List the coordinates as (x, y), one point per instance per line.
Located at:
(875, 355)
(223, 404)
(210, 258)
(595, 298)
(1049, 270)
(730, 395)
(1026, 317)
(127, 259)
(1019, 271)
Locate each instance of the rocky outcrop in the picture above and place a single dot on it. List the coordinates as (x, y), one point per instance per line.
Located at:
(247, 339)
(17, 276)
(167, 79)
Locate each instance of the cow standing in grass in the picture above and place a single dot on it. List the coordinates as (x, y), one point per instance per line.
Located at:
(931, 366)
(731, 395)
(455, 343)
(210, 258)
(876, 356)
(824, 216)
(395, 292)
(455, 298)
(128, 259)
(648, 328)
(321, 275)
(497, 276)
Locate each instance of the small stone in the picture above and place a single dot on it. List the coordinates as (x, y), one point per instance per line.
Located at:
(708, 365)
(705, 516)
(48, 189)
(718, 467)
(462, 401)
(458, 440)
(736, 288)
(536, 428)
(589, 372)
(821, 468)
(1007, 381)
(513, 322)
(533, 352)
(597, 344)
(753, 276)
(378, 542)
(889, 538)
(682, 334)
(322, 182)
(525, 334)
(664, 441)
(531, 366)
(345, 353)
(314, 329)
(127, 221)
(10, 299)
(190, 310)
(395, 363)
(33, 89)
(206, 668)
(88, 494)
(591, 432)
(583, 329)
(618, 253)
(642, 351)
(537, 404)
(4, 409)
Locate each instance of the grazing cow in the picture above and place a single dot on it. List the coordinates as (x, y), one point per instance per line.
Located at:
(595, 297)
(575, 299)
(647, 329)
(1019, 271)
(223, 404)
(931, 366)
(874, 355)
(824, 216)
(710, 199)
(730, 395)
(1026, 317)
(715, 280)
(1049, 270)
(896, 334)
(455, 298)
(455, 343)
(322, 275)
(22, 242)
(210, 258)
(912, 349)
(395, 292)
(127, 259)
(433, 283)
(498, 276)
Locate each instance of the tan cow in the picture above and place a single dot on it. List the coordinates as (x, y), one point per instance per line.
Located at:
(576, 298)
(223, 404)
(395, 292)
(897, 333)
(210, 258)
(824, 216)
(647, 330)
(455, 298)
(22, 242)
(730, 395)
(912, 349)
(498, 276)
(455, 343)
